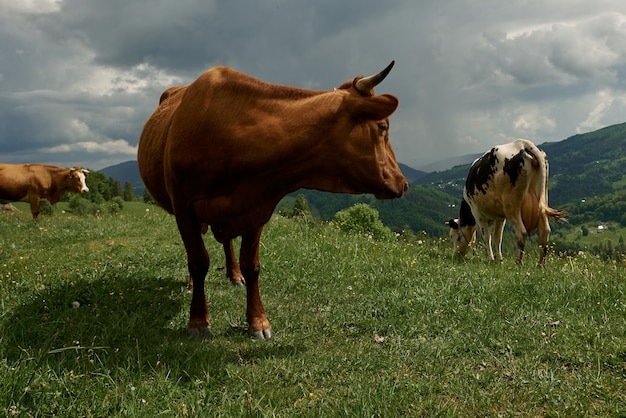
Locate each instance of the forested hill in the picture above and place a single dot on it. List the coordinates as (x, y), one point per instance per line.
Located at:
(589, 167)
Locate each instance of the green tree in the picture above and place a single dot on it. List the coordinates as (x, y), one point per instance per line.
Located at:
(147, 197)
(116, 187)
(301, 207)
(129, 194)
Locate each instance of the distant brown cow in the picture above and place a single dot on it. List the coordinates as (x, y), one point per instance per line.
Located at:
(225, 149)
(37, 181)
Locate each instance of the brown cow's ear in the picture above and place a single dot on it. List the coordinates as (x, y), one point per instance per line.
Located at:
(375, 108)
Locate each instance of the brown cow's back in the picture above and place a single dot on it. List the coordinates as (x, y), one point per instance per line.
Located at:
(11, 188)
(152, 169)
(16, 180)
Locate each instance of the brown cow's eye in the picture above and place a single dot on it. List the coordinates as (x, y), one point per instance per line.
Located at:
(382, 126)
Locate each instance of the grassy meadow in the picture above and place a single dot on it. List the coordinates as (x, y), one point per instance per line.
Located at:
(93, 314)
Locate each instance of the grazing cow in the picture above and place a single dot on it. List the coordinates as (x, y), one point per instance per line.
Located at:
(508, 182)
(37, 181)
(223, 151)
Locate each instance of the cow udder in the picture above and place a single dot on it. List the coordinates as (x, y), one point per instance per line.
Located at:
(530, 212)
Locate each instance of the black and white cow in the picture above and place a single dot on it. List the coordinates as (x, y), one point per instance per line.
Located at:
(508, 182)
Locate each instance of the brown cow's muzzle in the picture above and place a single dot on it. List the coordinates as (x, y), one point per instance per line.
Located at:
(394, 189)
(403, 187)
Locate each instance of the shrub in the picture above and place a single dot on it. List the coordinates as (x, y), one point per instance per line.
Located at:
(81, 206)
(119, 202)
(362, 218)
(45, 208)
(301, 207)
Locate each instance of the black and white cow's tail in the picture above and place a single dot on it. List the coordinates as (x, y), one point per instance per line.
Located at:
(540, 162)
(557, 215)
(539, 167)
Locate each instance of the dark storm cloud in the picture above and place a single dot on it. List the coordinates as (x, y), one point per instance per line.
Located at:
(177, 36)
(78, 78)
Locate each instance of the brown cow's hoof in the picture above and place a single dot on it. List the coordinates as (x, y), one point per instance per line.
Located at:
(261, 335)
(199, 332)
(238, 282)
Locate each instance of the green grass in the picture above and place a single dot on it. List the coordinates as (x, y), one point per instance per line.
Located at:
(362, 328)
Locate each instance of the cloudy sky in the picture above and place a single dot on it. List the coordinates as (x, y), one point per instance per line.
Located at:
(78, 78)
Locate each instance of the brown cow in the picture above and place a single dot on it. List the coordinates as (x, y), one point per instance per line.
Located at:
(225, 149)
(508, 182)
(37, 181)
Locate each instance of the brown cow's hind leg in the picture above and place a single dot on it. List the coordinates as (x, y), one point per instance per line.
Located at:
(233, 272)
(34, 206)
(198, 264)
(259, 327)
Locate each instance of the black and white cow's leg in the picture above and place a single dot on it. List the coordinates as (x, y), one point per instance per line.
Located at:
(520, 238)
(543, 234)
(497, 236)
(485, 229)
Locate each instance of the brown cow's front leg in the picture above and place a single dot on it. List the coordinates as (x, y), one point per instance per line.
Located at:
(198, 264)
(259, 327)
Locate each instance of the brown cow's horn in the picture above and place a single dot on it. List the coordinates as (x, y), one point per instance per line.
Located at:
(366, 84)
